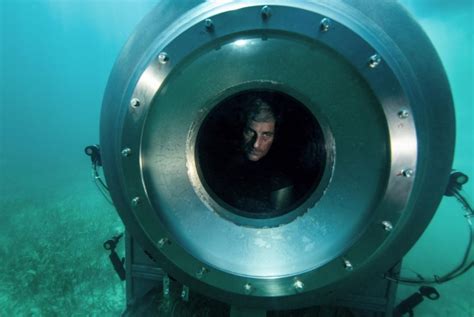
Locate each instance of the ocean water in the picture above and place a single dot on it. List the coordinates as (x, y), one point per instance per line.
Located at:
(55, 58)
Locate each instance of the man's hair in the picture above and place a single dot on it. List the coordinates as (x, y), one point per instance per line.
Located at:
(260, 111)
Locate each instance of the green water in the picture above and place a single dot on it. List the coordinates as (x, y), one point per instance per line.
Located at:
(55, 58)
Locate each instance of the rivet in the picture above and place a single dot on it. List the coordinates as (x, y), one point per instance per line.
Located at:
(135, 102)
(387, 226)
(298, 286)
(201, 272)
(166, 286)
(209, 24)
(348, 265)
(162, 242)
(248, 288)
(266, 12)
(126, 152)
(185, 293)
(408, 173)
(403, 114)
(325, 25)
(374, 61)
(163, 58)
(135, 201)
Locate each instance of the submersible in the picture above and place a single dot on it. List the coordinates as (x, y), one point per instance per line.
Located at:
(368, 139)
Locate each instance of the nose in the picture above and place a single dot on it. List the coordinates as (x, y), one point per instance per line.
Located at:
(257, 142)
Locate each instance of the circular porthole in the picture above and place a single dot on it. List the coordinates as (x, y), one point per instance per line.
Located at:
(260, 153)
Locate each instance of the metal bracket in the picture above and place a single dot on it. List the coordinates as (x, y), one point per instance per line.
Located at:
(117, 263)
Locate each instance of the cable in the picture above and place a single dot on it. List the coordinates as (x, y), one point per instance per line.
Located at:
(103, 188)
(94, 152)
(467, 261)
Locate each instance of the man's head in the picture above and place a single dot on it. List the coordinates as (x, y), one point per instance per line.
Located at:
(259, 130)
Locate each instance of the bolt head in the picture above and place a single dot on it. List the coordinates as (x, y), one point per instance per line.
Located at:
(209, 24)
(348, 265)
(200, 273)
(135, 102)
(374, 60)
(126, 152)
(408, 173)
(163, 58)
(248, 288)
(325, 25)
(266, 12)
(136, 201)
(162, 242)
(298, 286)
(185, 293)
(387, 226)
(403, 114)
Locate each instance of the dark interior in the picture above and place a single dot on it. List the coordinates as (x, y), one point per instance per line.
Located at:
(294, 164)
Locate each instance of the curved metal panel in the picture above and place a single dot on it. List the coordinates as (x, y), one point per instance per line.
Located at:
(388, 134)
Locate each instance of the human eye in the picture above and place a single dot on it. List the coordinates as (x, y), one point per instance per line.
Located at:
(248, 132)
(268, 135)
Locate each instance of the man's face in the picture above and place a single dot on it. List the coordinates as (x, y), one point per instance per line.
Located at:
(258, 139)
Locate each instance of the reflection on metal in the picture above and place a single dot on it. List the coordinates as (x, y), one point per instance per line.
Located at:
(209, 24)
(162, 242)
(375, 61)
(403, 114)
(185, 293)
(298, 285)
(325, 24)
(408, 173)
(201, 272)
(387, 226)
(241, 43)
(166, 286)
(248, 288)
(135, 102)
(266, 12)
(383, 116)
(348, 265)
(135, 201)
(126, 152)
(163, 58)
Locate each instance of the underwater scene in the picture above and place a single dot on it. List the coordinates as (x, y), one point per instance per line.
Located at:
(55, 60)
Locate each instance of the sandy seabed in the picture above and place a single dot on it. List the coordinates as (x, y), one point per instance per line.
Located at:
(52, 259)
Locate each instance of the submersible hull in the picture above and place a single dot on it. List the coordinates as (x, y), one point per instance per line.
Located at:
(377, 92)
